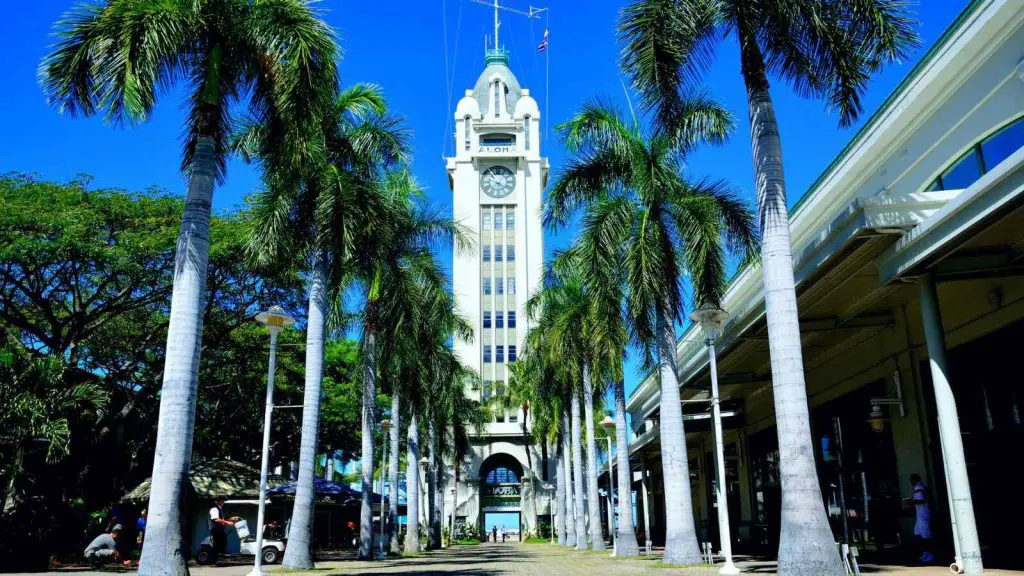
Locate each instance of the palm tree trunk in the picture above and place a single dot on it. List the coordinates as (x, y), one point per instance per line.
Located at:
(560, 485)
(396, 435)
(434, 525)
(412, 486)
(369, 424)
(570, 501)
(596, 534)
(806, 543)
(298, 555)
(680, 533)
(164, 553)
(625, 537)
(577, 478)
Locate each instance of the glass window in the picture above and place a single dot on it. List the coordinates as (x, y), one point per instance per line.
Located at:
(487, 319)
(487, 353)
(497, 253)
(511, 286)
(510, 221)
(497, 220)
(499, 320)
(499, 285)
(487, 254)
(486, 221)
(497, 97)
(963, 172)
(526, 131)
(499, 353)
(487, 285)
(1000, 145)
(511, 352)
(510, 251)
(466, 120)
(511, 317)
(488, 390)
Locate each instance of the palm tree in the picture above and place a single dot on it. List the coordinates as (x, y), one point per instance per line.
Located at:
(824, 49)
(320, 204)
(394, 257)
(630, 179)
(599, 265)
(117, 57)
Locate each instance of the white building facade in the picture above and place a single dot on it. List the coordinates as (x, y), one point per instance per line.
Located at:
(497, 177)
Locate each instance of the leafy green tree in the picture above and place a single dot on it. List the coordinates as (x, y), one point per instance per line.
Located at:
(825, 49)
(116, 57)
(630, 181)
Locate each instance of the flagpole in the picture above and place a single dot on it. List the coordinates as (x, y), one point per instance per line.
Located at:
(547, 76)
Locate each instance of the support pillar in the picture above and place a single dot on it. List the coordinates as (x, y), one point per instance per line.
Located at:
(957, 481)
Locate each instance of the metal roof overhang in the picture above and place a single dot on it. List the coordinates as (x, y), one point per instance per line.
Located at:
(947, 243)
(823, 268)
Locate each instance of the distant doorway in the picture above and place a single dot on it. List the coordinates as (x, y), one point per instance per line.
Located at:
(507, 521)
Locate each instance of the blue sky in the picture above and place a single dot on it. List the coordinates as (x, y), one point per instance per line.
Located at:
(403, 45)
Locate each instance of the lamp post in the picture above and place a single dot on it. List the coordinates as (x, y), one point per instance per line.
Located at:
(385, 426)
(275, 320)
(710, 319)
(424, 464)
(551, 513)
(455, 506)
(609, 424)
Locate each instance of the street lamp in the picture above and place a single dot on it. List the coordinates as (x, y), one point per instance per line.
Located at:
(424, 464)
(385, 425)
(551, 513)
(275, 320)
(710, 319)
(609, 424)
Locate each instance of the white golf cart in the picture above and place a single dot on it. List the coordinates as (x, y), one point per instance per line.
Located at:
(273, 547)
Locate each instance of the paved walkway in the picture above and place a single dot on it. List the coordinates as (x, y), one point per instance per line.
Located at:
(514, 559)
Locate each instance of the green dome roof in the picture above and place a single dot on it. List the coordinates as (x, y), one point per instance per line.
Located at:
(497, 63)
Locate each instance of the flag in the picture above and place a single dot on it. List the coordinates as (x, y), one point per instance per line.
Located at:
(544, 43)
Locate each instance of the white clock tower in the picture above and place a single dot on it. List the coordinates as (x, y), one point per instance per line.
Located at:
(497, 177)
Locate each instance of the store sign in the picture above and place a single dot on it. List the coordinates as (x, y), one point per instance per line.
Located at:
(502, 491)
(495, 149)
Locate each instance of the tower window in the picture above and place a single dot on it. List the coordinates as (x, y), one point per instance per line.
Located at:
(526, 132)
(487, 254)
(497, 221)
(510, 252)
(487, 285)
(467, 121)
(499, 320)
(511, 317)
(486, 221)
(499, 285)
(499, 353)
(510, 221)
(497, 98)
(511, 286)
(497, 253)
(487, 319)
(487, 353)
(511, 352)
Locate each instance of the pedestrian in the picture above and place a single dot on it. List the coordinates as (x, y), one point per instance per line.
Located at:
(494, 533)
(103, 548)
(218, 526)
(923, 519)
(140, 529)
(503, 534)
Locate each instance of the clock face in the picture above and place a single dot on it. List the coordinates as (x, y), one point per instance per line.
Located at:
(497, 181)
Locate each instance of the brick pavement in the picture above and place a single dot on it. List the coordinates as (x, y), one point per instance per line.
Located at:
(514, 559)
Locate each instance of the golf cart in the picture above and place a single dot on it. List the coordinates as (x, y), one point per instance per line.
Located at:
(273, 546)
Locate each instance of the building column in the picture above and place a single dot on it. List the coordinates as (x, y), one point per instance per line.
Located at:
(647, 500)
(965, 530)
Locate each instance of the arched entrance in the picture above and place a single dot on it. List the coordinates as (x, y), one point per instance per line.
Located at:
(501, 501)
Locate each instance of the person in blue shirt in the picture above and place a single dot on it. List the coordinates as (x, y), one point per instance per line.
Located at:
(140, 529)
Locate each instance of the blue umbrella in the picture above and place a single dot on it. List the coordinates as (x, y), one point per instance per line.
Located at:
(322, 487)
